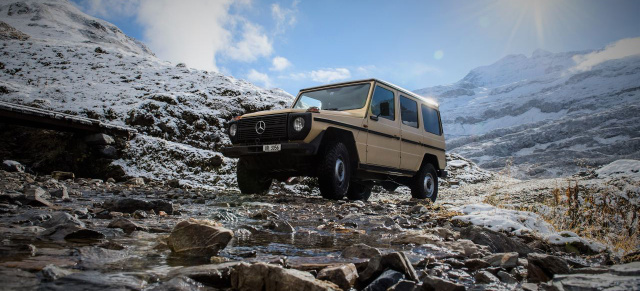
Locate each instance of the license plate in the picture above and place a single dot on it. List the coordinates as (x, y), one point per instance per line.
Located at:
(270, 148)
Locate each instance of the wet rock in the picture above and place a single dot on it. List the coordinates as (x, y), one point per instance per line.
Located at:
(384, 281)
(418, 238)
(13, 198)
(174, 183)
(396, 261)
(476, 264)
(59, 175)
(503, 260)
(214, 275)
(61, 218)
(344, 276)
(12, 166)
(36, 196)
(179, 284)
(126, 225)
(497, 242)
(99, 139)
(198, 238)
(280, 226)
(16, 279)
(430, 283)
(261, 276)
(135, 182)
(485, 277)
(53, 272)
(84, 235)
(618, 277)
(110, 245)
(361, 251)
(403, 285)
(92, 280)
(506, 278)
(130, 205)
(542, 267)
(60, 193)
(139, 214)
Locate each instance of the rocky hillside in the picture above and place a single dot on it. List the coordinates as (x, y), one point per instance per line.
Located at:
(544, 115)
(56, 57)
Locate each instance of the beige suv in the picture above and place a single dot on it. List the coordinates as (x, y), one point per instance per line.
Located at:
(349, 135)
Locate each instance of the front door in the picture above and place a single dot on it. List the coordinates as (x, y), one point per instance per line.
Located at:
(383, 137)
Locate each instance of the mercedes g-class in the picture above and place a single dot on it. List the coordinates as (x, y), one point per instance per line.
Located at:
(349, 135)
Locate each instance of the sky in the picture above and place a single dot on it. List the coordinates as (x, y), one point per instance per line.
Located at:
(294, 44)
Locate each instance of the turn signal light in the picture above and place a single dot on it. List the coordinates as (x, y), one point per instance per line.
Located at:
(236, 118)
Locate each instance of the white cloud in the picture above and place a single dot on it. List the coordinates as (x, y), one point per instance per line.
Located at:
(321, 76)
(189, 31)
(284, 17)
(280, 63)
(254, 44)
(257, 77)
(618, 50)
(329, 75)
(110, 8)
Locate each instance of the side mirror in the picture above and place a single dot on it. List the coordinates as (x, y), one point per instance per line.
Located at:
(384, 109)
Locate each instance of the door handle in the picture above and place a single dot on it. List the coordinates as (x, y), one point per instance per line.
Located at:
(373, 117)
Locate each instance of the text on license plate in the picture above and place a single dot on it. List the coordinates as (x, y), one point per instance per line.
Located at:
(271, 148)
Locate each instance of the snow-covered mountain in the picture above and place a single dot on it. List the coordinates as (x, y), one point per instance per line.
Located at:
(56, 57)
(548, 114)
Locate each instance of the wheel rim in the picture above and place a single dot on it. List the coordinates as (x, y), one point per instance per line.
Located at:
(429, 185)
(340, 171)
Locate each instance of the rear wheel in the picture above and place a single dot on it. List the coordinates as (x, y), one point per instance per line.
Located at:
(359, 191)
(251, 181)
(425, 183)
(334, 172)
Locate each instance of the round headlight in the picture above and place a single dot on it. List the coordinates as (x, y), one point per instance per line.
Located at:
(232, 129)
(298, 123)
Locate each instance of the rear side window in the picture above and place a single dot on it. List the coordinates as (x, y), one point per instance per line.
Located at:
(383, 99)
(431, 120)
(409, 111)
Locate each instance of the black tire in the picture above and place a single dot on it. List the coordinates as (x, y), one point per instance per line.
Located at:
(334, 172)
(425, 183)
(359, 191)
(251, 181)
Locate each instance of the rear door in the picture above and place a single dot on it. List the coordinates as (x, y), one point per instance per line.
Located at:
(383, 137)
(411, 150)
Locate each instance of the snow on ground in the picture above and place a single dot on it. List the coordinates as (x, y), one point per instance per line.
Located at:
(621, 168)
(520, 223)
(81, 65)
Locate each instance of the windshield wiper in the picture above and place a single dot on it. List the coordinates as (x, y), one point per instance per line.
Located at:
(330, 108)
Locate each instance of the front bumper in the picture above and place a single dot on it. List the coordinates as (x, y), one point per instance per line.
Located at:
(300, 149)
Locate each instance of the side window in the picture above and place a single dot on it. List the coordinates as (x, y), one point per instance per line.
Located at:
(409, 111)
(431, 120)
(382, 104)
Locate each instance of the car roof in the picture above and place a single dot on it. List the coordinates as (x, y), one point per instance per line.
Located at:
(405, 91)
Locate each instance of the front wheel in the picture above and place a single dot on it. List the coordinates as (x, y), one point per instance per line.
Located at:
(425, 183)
(359, 191)
(334, 172)
(251, 181)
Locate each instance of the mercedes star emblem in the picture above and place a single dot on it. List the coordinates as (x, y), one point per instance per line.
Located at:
(260, 127)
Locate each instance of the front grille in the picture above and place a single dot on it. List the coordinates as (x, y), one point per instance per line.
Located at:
(275, 129)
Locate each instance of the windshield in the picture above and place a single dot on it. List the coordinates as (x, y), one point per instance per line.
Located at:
(338, 99)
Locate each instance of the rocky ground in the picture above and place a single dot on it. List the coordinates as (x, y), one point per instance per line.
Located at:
(64, 233)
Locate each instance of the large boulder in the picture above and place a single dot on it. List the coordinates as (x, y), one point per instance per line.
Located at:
(198, 238)
(362, 251)
(618, 277)
(267, 277)
(12, 166)
(386, 280)
(496, 241)
(397, 261)
(213, 275)
(542, 268)
(36, 196)
(130, 205)
(344, 276)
